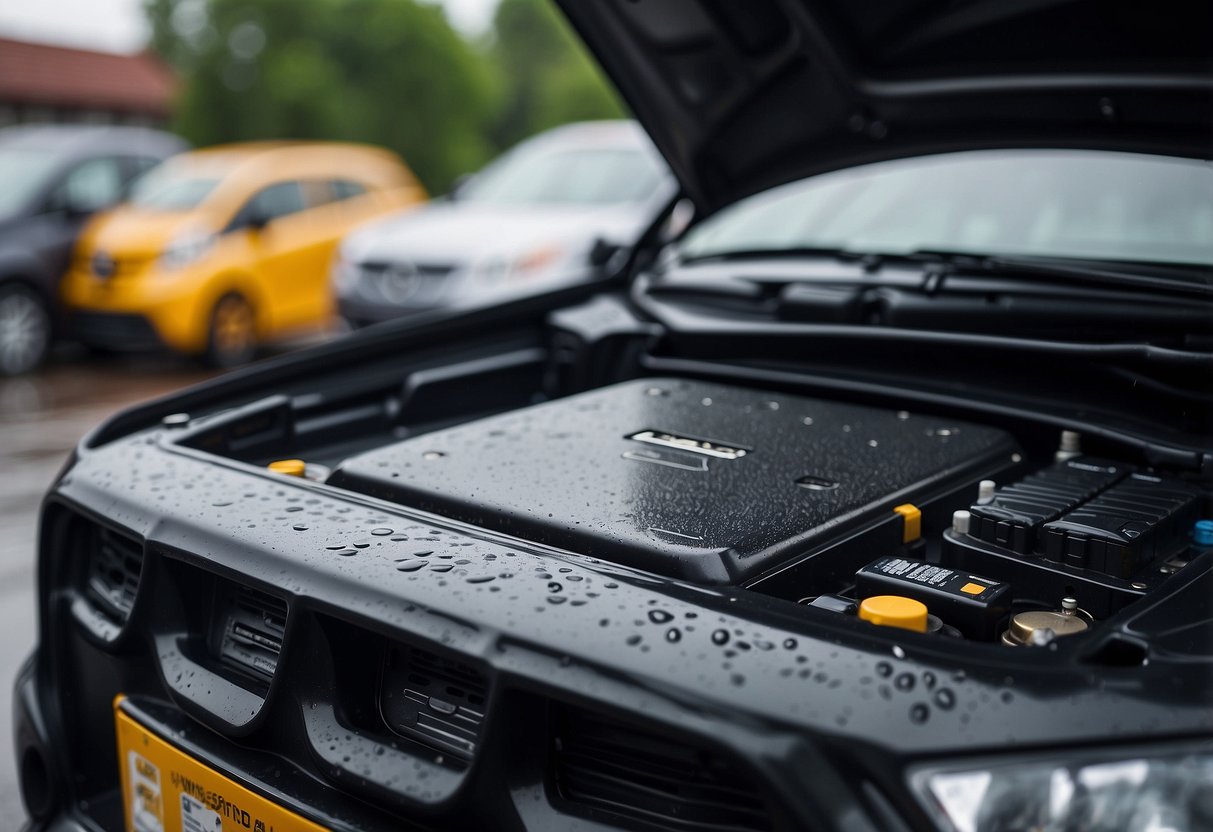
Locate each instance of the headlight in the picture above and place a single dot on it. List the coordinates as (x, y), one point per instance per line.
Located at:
(1155, 792)
(523, 267)
(187, 248)
(536, 260)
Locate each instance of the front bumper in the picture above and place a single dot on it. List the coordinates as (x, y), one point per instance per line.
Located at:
(118, 331)
(360, 312)
(145, 310)
(38, 766)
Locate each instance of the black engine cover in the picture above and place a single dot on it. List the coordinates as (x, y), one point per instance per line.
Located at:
(701, 481)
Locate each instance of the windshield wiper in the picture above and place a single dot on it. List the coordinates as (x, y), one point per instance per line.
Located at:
(1194, 280)
(1166, 277)
(828, 252)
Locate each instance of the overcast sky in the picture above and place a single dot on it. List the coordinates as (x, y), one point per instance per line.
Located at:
(117, 25)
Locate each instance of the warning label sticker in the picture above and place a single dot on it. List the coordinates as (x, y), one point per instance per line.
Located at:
(197, 818)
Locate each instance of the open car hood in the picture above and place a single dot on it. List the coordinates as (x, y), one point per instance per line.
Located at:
(741, 97)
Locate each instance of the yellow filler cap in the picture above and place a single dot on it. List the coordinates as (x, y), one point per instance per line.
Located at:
(911, 517)
(895, 611)
(288, 467)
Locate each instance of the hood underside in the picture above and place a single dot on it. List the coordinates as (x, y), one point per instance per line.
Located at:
(741, 97)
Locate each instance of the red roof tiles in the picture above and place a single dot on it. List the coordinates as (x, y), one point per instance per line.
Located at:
(57, 76)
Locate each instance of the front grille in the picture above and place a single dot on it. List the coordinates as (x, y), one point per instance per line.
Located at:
(248, 629)
(115, 330)
(659, 781)
(423, 269)
(435, 700)
(404, 284)
(115, 563)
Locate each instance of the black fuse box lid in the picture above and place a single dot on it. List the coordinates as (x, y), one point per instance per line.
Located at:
(702, 481)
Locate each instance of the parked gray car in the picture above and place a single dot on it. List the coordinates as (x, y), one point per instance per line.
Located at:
(550, 211)
(52, 178)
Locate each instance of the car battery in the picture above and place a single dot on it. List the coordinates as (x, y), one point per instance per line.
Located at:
(1125, 528)
(1013, 517)
(972, 604)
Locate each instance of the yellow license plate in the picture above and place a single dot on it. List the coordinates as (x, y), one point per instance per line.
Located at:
(166, 790)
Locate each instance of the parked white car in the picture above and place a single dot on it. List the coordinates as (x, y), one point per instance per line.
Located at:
(541, 215)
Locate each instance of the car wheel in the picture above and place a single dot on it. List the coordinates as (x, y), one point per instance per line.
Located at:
(232, 340)
(25, 329)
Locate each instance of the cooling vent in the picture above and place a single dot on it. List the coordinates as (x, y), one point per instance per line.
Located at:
(659, 781)
(250, 625)
(437, 701)
(114, 564)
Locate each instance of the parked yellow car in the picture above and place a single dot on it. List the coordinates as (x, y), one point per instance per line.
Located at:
(222, 249)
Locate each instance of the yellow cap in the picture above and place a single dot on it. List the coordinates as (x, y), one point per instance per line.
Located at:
(895, 611)
(288, 467)
(911, 516)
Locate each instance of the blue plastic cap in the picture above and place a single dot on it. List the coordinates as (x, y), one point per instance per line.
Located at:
(1202, 535)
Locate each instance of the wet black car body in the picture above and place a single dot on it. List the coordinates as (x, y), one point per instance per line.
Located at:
(590, 559)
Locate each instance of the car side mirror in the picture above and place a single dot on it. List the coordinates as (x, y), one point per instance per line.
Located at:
(256, 223)
(460, 184)
(603, 252)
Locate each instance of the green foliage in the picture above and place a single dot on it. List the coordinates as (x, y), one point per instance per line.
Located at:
(548, 77)
(388, 72)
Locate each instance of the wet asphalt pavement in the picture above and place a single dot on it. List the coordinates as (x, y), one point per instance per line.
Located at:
(42, 416)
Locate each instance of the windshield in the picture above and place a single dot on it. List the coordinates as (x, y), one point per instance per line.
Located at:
(583, 176)
(1084, 204)
(172, 186)
(24, 173)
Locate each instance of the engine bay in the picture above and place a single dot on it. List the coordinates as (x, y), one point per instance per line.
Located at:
(898, 519)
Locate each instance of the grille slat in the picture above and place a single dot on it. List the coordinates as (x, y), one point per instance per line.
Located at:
(251, 628)
(432, 699)
(661, 781)
(114, 567)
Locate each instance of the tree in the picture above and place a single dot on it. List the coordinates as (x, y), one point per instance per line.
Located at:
(389, 72)
(546, 76)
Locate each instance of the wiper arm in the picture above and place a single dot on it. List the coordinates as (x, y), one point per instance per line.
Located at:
(1187, 280)
(827, 252)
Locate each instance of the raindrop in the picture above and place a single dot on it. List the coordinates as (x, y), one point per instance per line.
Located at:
(673, 635)
(381, 532)
(720, 637)
(884, 669)
(410, 566)
(299, 527)
(945, 699)
(660, 617)
(904, 681)
(919, 713)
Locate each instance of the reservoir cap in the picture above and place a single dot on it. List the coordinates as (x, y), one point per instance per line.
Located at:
(288, 467)
(895, 611)
(1202, 534)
